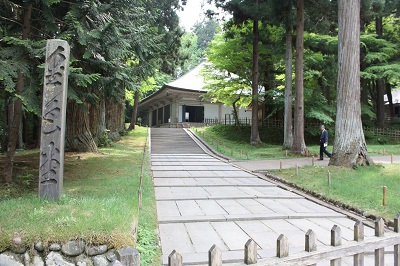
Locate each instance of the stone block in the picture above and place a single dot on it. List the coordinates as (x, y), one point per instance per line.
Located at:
(9, 260)
(55, 247)
(39, 246)
(100, 260)
(111, 255)
(96, 250)
(83, 260)
(35, 260)
(18, 249)
(129, 256)
(116, 263)
(73, 248)
(55, 259)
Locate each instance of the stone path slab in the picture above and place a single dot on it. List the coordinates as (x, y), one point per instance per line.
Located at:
(202, 200)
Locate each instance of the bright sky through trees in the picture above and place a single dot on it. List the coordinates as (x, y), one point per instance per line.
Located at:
(194, 11)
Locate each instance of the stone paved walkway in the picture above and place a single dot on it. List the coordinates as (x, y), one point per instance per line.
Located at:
(264, 165)
(202, 200)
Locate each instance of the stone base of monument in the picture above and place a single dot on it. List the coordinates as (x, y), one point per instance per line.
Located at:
(69, 254)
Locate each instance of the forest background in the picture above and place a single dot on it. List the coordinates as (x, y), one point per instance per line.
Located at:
(122, 51)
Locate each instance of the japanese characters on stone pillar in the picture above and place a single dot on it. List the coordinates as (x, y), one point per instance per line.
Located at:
(53, 119)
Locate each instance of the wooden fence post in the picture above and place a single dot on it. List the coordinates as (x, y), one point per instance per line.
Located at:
(310, 242)
(297, 169)
(336, 240)
(174, 259)
(214, 256)
(280, 165)
(250, 252)
(384, 196)
(358, 259)
(313, 161)
(282, 246)
(329, 178)
(379, 232)
(397, 247)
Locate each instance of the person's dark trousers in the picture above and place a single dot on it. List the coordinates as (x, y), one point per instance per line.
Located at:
(322, 150)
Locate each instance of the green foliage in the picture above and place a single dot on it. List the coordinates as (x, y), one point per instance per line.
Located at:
(147, 245)
(103, 141)
(205, 32)
(324, 44)
(190, 52)
(381, 58)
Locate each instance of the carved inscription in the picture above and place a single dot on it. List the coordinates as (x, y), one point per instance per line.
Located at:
(53, 119)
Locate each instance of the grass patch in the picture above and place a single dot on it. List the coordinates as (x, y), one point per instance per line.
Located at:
(99, 201)
(361, 188)
(236, 144)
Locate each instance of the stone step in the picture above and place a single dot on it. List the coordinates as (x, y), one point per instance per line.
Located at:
(201, 174)
(163, 168)
(223, 197)
(198, 182)
(246, 217)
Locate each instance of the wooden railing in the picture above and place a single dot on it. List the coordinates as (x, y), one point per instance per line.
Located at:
(313, 255)
(277, 123)
(383, 132)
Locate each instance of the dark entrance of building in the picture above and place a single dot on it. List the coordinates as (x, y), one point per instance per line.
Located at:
(193, 114)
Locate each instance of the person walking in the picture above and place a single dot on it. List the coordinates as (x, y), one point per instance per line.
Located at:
(323, 143)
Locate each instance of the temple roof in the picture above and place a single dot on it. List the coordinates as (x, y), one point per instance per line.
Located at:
(190, 83)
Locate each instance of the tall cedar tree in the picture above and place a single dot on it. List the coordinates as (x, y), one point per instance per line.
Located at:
(299, 145)
(14, 127)
(255, 11)
(284, 16)
(350, 148)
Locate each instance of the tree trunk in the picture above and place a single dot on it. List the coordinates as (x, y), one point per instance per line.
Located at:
(349, 149)
(135, 111)
(78, 135)
(115, 118)
(97, 118)
(255, 136)
(236, 114)
(288, 119)
(5, 117)
(299, 145)
(20, 141)
(25, 129)
(17, 112)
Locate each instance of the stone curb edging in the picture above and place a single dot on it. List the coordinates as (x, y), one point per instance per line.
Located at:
(71, 253)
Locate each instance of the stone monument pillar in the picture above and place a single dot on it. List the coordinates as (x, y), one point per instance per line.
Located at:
(53, 119)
